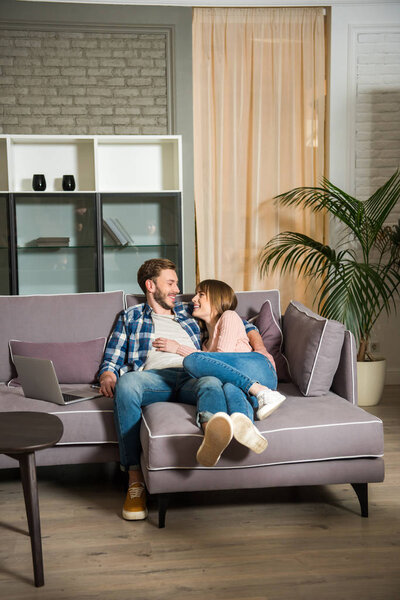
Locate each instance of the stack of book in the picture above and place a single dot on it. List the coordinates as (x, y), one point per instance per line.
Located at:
(43, 242)
(117, 232)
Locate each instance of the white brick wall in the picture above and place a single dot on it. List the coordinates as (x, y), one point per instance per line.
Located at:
(377, 145)
(83, 82)
(377, 115)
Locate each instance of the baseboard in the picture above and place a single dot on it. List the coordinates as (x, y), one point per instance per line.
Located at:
(392, 377)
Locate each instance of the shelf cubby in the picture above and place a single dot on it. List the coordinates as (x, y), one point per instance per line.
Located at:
(54, 157)
(142, 164)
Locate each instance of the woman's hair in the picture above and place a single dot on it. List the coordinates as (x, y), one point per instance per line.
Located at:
(220, 294)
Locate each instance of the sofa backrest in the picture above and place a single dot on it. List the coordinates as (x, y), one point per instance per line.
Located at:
(55, 318)
(249, 303)
(345, 381)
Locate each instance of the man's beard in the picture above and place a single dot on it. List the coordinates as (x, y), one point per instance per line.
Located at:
(160, 298)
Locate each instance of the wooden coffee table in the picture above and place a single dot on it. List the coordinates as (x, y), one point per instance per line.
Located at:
(21, 435)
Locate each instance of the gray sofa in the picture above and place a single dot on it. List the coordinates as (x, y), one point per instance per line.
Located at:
(318, 436)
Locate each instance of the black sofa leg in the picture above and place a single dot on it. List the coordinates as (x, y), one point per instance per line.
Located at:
(361, 489)
(163, 500)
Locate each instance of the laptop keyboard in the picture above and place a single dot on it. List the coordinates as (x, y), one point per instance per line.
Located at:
(70, 397)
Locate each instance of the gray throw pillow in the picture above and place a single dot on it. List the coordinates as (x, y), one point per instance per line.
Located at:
(74, 362)
(312, 346)
(272, 337)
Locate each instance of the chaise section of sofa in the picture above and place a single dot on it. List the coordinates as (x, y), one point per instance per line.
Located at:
(318, 436)
(315, 440)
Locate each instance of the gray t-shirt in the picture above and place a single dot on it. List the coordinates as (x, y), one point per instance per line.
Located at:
(165, 326)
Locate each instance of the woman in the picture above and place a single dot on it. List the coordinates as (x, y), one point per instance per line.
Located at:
(249, 378)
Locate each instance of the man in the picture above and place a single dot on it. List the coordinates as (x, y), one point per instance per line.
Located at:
(136, 374)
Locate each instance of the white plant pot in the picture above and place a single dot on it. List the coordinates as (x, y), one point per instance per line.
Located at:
(370, 381)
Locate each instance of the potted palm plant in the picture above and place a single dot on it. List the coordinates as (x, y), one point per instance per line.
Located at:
(359, 278)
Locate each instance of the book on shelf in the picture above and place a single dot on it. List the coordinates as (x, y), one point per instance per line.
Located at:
(117, 232)
(52, 241)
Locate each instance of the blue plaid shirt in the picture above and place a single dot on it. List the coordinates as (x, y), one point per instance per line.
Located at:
(133, 335)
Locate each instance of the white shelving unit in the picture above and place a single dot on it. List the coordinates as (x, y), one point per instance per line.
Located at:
(134, 179)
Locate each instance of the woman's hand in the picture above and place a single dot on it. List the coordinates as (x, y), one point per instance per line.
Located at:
(165, 345)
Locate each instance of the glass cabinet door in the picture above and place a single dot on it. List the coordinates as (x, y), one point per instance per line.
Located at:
(4, 248)
(137, 227)
(56, 243)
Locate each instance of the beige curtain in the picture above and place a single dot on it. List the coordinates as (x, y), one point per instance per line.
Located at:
(259, 106)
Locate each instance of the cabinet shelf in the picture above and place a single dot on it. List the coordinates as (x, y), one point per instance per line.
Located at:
(132, 246)
(91, 246)
(41, 248)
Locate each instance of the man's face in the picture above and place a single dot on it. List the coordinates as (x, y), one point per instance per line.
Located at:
(165, 289)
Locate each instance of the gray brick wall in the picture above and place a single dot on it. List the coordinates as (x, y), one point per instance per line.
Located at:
(377, 139)
(59, 82)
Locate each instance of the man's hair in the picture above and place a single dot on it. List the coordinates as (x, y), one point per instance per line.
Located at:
(151, 269)
(220, 294)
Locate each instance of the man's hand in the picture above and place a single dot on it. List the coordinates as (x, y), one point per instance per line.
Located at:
(165, 345)
(257, 344)
(108, 379)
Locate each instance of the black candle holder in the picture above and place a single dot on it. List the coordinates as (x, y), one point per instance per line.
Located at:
(68, 183)
(39, 182)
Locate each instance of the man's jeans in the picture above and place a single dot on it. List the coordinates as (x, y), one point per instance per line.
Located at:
(237, 371)
(136, 389)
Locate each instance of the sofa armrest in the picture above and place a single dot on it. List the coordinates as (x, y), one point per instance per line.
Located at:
(345, 380)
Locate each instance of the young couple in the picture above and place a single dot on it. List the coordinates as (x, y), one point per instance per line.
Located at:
(154, 355)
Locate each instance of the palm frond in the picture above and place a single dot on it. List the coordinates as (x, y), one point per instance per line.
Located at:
(381, 203)
(356, 294)
(342, 206)
(291, 251)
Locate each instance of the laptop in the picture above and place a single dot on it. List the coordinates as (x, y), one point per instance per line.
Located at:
(39, 380)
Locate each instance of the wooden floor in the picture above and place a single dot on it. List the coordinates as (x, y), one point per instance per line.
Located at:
(304, 543)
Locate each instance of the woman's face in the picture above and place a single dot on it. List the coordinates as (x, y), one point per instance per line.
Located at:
(202, 307)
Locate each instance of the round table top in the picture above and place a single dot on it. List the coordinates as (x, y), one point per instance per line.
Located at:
(22, 432)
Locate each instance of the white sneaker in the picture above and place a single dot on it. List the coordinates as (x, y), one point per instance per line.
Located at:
(268, 401)
(246, 433)
(218, 434)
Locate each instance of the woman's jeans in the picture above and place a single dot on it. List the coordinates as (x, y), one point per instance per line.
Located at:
(136, 389)
(237, 371)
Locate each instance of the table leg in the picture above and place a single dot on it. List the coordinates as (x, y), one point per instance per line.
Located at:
(29, 483)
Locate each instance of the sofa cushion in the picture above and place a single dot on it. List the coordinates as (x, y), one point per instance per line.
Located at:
(55, 318)
(85, 423)
(312, 346)
(74, 362)
(272, 337)
(324, 428)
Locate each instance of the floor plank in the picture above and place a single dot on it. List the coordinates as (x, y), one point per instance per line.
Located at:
(300, 543)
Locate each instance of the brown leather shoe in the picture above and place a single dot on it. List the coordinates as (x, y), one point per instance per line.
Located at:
(134, 508)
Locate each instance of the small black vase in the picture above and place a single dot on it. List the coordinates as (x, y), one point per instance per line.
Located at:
(68, 183)
(39, 183)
